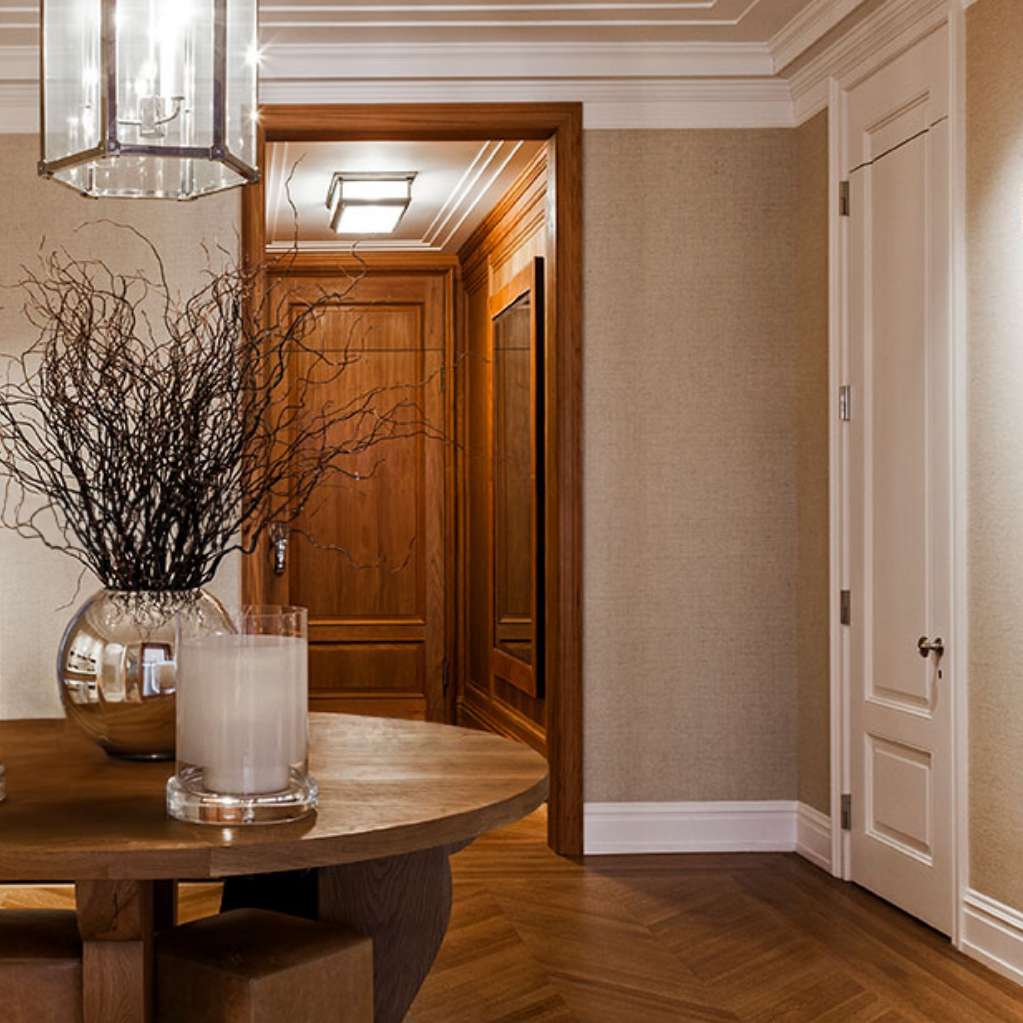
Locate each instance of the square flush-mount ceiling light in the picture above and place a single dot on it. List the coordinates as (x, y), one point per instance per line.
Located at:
(364, 203)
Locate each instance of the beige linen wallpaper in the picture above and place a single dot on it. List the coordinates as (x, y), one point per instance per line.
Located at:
(693, 465)
(35, 582)
(814, 683)
(995, 382)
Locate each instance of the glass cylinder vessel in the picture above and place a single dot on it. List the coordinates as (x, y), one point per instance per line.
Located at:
(149, 98)
(117, 666)
(243, 721)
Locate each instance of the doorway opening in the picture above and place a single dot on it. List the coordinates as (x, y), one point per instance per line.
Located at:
(457, 597)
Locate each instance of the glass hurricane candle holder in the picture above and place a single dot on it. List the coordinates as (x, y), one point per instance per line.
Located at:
(243, 721)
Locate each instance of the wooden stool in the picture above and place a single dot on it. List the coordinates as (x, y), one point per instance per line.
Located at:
(40, 966)
(252, 966)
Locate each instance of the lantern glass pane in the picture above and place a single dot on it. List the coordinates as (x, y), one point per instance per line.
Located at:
(165, 73)
(137, 102)
(242, 69)
(71, 56)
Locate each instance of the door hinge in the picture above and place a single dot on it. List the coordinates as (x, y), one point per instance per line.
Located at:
(845, 607)
(844, 203)
(847, 811)
(845, 403)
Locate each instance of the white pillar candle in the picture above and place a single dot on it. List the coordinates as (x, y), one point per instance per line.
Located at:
(241, 706)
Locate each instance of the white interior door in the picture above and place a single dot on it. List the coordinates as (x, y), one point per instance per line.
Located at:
(900, 498)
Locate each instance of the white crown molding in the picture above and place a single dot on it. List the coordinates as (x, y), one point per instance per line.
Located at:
(993, 934)
(365, 245)
(609, 59)
(19, 63)
(19, 107)
(628, 103)
(633, 103)
(875, 41)
(513, 61)
(809, 25)
(669, 85)
(301, 16)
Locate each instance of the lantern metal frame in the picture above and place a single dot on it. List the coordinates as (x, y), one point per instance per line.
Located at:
(110, 143)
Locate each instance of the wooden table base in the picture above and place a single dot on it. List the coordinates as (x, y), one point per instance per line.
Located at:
(402, 902)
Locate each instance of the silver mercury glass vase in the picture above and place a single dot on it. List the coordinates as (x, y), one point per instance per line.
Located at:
(117, 667)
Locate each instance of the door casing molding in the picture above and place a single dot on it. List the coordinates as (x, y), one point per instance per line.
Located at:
(952, 15)
(561, 124)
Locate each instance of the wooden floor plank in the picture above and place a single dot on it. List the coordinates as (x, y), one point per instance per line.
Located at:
(736, 938)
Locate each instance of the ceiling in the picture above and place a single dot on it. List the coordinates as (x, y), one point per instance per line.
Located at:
(591, 20)
(328, 21)
(631, 63)
(456, 185)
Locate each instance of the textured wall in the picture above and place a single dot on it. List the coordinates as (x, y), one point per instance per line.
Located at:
(690, 459)
(34, 581)
(995, 353)
(814, 683)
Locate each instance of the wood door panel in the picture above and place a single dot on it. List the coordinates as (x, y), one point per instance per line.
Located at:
(384, 569)
(367, 667)
(367, 554)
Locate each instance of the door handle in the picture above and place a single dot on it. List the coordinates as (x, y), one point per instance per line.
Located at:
(925, 647)
(279, 540)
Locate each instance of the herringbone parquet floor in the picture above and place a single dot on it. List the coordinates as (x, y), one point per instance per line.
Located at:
(707, 939)
(688, 939)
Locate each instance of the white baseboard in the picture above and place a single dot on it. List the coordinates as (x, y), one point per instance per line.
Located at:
(992, 933)
(813, 836)
(775, 826)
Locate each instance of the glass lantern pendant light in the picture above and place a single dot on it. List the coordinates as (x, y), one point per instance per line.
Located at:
(149, 98)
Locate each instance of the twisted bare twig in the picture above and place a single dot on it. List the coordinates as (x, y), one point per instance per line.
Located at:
(149, 436)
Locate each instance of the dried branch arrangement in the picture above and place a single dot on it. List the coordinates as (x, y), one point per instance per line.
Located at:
(149, 436)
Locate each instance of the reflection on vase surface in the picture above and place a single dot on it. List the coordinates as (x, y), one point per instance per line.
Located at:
(117, 667)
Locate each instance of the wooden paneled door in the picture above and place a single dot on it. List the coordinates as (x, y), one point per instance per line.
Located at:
(368, 554)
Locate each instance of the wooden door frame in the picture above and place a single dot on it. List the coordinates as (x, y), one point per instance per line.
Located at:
(561, 125)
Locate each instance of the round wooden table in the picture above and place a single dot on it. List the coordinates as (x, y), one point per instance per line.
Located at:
(396, 798)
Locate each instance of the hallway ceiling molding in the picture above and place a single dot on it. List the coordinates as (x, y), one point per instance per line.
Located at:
(402, 21)
(716, 65)
(636, 103)
(456, 185)
(893, 27)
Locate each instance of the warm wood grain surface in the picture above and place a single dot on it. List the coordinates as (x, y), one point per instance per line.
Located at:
(386, 788)
(731, 938)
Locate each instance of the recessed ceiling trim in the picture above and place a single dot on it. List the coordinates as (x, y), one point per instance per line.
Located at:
(276, 172)
(300, 15)
(474, 199)
(456, 182)
(810, 24)
(474, 14)
(462, 189)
